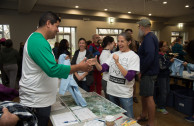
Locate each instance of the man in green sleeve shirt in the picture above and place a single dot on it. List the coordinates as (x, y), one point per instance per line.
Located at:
(38, 84)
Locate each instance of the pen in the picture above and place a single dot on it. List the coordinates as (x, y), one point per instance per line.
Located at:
(70, 121)
(101, 120)
(118, 118)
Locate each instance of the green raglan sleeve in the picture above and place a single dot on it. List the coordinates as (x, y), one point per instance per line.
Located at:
(40, 51)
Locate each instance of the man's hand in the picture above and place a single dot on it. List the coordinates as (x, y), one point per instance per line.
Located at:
(92, 61)
(85, 66)
(185, 64)
(8, 119)
(172, 60)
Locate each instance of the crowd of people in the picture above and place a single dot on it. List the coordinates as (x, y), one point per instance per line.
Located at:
(100, 65)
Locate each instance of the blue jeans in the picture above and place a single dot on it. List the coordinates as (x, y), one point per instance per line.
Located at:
(126, 103)
(163, 90)
(84, 85)
(42, 115)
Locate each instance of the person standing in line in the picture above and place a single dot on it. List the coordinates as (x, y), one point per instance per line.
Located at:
(178, 48)
(40, 71)
(83, 79)
(4, 78)
(63, 49)
(163, 80)
(149, 69)
(10, 58)
(96, 49)
(108, 45)
(122, 67)
(55, 49)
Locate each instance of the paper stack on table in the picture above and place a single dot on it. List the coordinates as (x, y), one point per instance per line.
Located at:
(84, 114)
(64, 119)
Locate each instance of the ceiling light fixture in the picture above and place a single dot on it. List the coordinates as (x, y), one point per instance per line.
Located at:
(164, 2)
(150, 14)
(111, 20)
(180, 25)
(76, 6)
(186, 6)
(129, 12)
(105, 9)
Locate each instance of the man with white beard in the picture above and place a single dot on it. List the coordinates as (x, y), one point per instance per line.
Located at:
(149, 69)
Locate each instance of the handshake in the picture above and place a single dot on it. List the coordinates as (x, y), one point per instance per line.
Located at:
(86, 65)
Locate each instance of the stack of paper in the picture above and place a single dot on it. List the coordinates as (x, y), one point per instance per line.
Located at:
(84, 114)
(64, 119)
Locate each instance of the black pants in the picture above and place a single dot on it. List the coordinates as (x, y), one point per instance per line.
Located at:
(4, 78)
(42, 115)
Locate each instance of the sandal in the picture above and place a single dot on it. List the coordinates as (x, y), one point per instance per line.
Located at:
(141, 119)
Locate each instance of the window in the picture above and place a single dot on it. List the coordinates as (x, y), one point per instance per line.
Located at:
(65, 33)
(175, 34)
(155, 33)
(113, 32)
(4, 31)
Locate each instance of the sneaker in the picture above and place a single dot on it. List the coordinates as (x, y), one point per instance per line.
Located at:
(163, 111)
(189, 119)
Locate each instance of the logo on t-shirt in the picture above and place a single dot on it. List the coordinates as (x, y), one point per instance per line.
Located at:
(117, 80)
(123, 61)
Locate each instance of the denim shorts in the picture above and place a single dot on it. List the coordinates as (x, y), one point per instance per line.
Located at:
(146, 87)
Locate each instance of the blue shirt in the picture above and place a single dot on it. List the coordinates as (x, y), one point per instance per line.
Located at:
(149, 57)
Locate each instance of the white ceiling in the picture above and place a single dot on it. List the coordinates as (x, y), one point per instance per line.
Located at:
(174, 9)
(141, 7)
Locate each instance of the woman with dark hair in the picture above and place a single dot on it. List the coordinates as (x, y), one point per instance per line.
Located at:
(83, 79)
(63, 48)
(55, 49)
(163, 80)
(9, 58)
(108, 45)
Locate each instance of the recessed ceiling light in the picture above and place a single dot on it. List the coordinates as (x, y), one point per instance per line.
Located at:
(150, 14)
(76, 6)
(186, 6)
(129, 12)
(105, 9)
(164, 2)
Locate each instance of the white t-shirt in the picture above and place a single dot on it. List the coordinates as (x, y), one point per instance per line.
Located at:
(103, 57)
(80, 57)
(117, 84)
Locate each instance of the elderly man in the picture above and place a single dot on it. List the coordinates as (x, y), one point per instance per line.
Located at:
(149, 69)
(96, 49)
